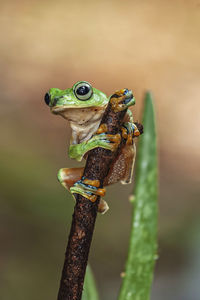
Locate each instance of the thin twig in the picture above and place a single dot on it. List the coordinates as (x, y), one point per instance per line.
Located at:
(85, 212)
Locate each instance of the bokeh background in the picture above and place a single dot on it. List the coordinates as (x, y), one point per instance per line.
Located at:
(142, 45)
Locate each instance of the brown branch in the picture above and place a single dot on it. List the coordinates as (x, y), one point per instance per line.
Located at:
(85, 212)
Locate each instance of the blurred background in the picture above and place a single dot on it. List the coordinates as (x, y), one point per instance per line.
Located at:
(142, 45)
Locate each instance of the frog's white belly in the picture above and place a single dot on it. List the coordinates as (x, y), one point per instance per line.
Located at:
(84, 122)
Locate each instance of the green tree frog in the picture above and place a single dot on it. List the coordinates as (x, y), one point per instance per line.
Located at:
(83, 106)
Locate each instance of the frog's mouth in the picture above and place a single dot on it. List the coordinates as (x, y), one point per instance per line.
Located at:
(79, 115)
(62, 108)
(58, 109)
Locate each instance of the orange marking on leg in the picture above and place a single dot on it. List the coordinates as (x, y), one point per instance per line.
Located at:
(103, 128)
(116, 138)
(92, 198)
(136, 132)
(117, 104)
(120, 92)
(101, 192)
(124, 132)
(129, 139)
(95, 183)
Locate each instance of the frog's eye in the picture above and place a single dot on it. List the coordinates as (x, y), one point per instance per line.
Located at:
(47, 98)
(83, 91)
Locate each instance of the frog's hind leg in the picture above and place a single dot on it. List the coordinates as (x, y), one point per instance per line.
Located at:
(122, 168)
(68, 176)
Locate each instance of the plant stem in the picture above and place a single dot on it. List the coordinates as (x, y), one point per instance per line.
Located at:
(85, 212)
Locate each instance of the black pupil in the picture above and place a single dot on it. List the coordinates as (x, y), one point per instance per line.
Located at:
(83, 90)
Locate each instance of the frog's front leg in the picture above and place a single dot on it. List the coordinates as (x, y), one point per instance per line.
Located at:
(69, 176)
(100, 139)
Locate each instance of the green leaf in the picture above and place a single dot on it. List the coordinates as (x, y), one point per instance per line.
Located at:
(143, 241)
(89, 288)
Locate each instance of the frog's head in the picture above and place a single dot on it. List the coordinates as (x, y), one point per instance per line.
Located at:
(81, 95)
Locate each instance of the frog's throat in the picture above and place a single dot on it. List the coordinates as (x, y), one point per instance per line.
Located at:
(84, 122)
(83, 132)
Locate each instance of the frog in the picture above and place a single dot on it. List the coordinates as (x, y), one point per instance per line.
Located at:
(83, 106)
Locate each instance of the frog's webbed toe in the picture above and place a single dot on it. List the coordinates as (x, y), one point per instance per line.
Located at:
(122, 167)
(105, 140)
(129, 157)
(88, 188)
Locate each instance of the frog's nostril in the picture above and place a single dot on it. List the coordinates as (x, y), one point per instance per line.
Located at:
(55, 101)
(47, 98)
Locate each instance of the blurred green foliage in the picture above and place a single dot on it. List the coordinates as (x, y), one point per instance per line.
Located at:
(89, 289)
(143, 240)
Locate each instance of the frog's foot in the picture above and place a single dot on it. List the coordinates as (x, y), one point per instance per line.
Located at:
(69, 176)
(88, 188)
(122, 99)
(106, 140)
(129, 131)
